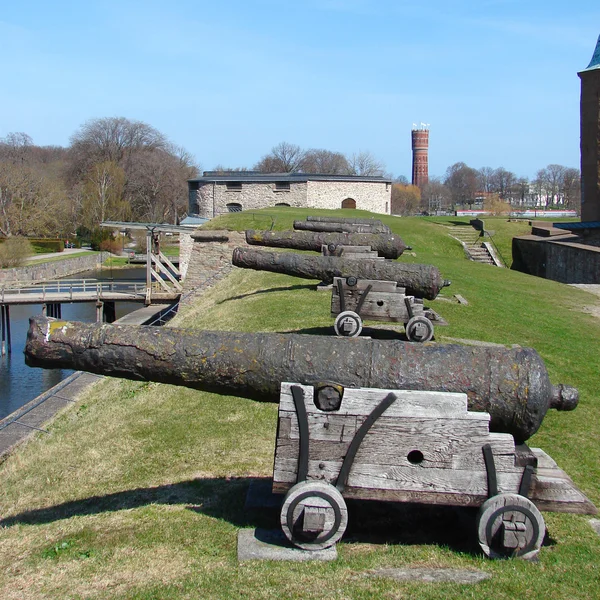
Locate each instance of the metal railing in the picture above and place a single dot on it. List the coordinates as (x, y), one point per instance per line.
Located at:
(69, 287)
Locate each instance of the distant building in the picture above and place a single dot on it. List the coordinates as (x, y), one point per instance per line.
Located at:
(420, 155)
(590, 138)
(218, 192)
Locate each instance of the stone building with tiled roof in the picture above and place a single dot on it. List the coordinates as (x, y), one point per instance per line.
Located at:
(218, 192)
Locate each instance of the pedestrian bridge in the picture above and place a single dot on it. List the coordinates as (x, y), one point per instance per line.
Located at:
(84, 290)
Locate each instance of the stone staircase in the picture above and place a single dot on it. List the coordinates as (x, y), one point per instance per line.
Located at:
(469, 237)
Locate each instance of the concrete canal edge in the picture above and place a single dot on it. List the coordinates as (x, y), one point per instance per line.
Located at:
(19, 426)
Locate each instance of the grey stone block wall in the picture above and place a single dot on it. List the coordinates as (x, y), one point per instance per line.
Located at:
(51, 270)
(212, 198)
(211, 255)
(186, 243)
(374, 196)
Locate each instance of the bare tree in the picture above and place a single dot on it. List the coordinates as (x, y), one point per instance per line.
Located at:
(571, 188)
(502, 182)
(103, 194)
(365, 164)
(284, 158)
(154, 170)
(462, 182)
(485, 179)
(549, 183)
(15, 147)
(405, 199)
(435, 196)
(325, 161)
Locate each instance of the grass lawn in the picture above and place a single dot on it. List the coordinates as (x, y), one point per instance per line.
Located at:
(138, 490)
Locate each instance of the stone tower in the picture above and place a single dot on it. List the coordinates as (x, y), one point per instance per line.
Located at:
(420, 159)
(590, 138)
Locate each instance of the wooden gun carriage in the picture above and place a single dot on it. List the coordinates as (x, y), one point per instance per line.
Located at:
(410, 446)
(353, 299)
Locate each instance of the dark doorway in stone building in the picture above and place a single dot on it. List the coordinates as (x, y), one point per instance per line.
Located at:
(349, 203)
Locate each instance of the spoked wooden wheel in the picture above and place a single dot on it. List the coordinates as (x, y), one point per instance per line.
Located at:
(348, 324)
(510, 525)
(314, 515)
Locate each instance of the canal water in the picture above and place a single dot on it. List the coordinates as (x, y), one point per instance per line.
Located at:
(19, 383)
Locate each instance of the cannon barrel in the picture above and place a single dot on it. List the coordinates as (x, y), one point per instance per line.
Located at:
(339, 227)
(511, 384)
(423, 281)
(387, 245)
(356, 220)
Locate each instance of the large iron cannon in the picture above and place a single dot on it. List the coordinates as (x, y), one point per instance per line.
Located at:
(511, 384)
(423, 281)
(330, 226)
(387, 245)
(356, 220)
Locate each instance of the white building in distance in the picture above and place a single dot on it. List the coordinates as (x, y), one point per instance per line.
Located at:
(218, 192)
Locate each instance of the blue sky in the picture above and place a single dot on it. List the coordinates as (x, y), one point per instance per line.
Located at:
(496, 79)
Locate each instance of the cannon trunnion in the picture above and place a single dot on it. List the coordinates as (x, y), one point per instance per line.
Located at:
(410, 446)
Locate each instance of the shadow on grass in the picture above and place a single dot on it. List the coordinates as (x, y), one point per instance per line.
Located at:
(373, 332)
(287, 288)
(369, 521)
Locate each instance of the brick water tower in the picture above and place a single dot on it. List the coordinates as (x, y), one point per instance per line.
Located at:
(420, 159)
(590, 138)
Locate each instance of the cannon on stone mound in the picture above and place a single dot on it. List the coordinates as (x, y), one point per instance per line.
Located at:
(423, 281)
(419, 432)
(387, 245)
(373, 289)
(343, 227)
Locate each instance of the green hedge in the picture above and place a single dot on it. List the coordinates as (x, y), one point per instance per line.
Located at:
(47, 245)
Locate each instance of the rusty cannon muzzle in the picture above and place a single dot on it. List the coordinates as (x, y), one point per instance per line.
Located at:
(387, 245)
(422, 281)
(511, 384)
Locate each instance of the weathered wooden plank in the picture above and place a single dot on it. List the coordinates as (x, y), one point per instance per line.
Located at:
(372, 482)
(392, 452)
(377, 306)
(407, 477)
(325, 426)
(544, 461)
(377, 285)
(409, 403)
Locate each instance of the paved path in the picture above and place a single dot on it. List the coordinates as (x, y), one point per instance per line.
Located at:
(588, 287)
(64, 254)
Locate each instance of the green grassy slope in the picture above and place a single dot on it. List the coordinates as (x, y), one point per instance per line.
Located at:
(138, 491)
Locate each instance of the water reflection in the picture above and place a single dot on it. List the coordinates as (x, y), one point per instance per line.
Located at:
(19, 383)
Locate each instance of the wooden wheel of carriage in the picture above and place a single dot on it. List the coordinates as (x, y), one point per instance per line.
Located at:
(419, 329)
(510, 525)
(314, 515)
(348, 324)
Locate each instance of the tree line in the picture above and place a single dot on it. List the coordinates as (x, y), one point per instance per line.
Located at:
(113, 169)
(498, 190)
(126, 170)
(291, 158)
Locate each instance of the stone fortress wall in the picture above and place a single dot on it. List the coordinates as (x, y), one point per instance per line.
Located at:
(374, 196)
(212, 198)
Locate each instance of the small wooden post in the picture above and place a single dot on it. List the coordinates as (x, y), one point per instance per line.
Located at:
(110, 312)
(99, 312)
(3, 329)
(7, 325)
(148, 267)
